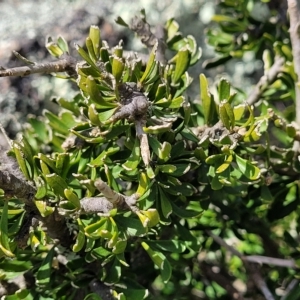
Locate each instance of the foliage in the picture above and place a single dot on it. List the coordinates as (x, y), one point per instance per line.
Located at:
(144, 179)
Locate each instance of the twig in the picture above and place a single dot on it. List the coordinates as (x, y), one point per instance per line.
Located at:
(111, 200)
(294, 12)
(251, 267)
(134, 107)
(259, 259)
(144, 144)
(142, 29)
(259, 281)
(222, 280)
(67, 64)
(290, 288)
(268, 78)
(221, 242)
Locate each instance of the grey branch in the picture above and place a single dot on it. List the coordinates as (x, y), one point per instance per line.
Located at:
(142, 29)
(134, 104)
(13, 182)
(252, 268)
(222, 279)
(259, 259)
(268, 78)
(111, 200)
(67, 64)
(294, 12)
(144, 144)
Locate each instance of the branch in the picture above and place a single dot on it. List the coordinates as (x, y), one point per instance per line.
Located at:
(259, 259)
(134, 106)
(294, 12)
(222, 280)
(259, 281)
(268, 78)
(294, 283)
(144, 144)
(68, 64)
(111, 200)
(250, 267)
(142, 29)
(13, 182)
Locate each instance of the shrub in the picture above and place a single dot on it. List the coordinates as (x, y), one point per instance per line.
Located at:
(136, 191)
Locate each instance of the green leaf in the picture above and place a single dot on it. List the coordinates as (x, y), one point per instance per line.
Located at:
(143, 184)
(249, 170)
(43, 208)
(63, 44)
(165, 205)
(238, 111)
(134, 158)
(57, 183)
(132, 226)
(53, 48)
(72, 197)
(56, 123)
(119, 247)
(95, 37)
(98, 229)
(100, 252)
(104, 116)
(160, 261)
(43, 274)
(20, 156)
(150, 64)
(149, 218)
(184, 213)
(80, 239)
(4, 241)
(117, 68)
(92, 296)
(87, 58)
(225, 165)
(174, 246)
(224, 90)
(182, 63)
(207, 100)
(169, 169)
(120, 21)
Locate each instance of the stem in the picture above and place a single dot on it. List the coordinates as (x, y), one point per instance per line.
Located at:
(265, 81)
(294, 12)
(64, 65)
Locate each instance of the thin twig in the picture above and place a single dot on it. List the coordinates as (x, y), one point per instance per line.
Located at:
(259, 259)
(142, 29)
(63, 65)
(267, 79)
(250, 267)
(259, 280)
(290, 288)
(222, 280)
